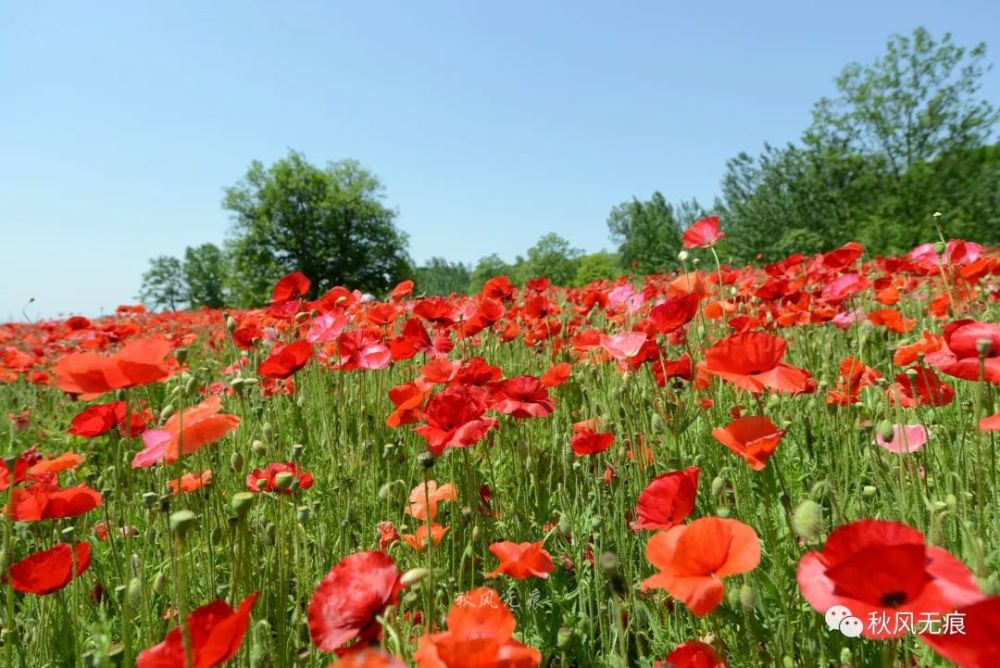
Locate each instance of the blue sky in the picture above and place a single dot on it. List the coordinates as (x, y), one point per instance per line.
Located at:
(489, 123)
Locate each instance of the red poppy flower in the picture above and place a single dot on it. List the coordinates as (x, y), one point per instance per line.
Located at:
(99, 419)
(418, 540)
(64, 462)
(190, 482)
(556, 375)
(215, 630)
(522, 397)
(455, 418)
(50, 570)
(977, 645)
(704, 232)
(960, 355)
(247, 336)
(892, 320)
(521, 560)
(189, 429)
(990, 423)
(667, 500)
(878, 566)
(588, 441)
(408, 400)
(480, 633)
(347, 601)
(693, 559)
(426, 499)
(752, 361)
(692, 654)
(286, 360)
(290, 287)
(754, 438)
(387, 535)
(675, 312)
(41, 501)
(923, 388)
(370, 657)
(665, 369)
(264, 480)
(90, 375)
(362, 349)
(854, 376)
(909, 353)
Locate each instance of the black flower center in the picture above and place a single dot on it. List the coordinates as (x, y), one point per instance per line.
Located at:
(893, 599)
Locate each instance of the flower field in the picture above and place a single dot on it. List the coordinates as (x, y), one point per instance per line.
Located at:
(790, 465)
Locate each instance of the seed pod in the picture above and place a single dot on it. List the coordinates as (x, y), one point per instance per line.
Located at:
(808, 520)
(284, 480)
(869, 491)
(747, 597)
(886, 431)
(181, 522)
(133, 593)
(414, 576)
(564, 638)
(160, 583)
(241, 502)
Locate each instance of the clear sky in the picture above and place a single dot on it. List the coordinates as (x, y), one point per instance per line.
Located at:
(489, 123)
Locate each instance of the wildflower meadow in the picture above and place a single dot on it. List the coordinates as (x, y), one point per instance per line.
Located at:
(783, 465)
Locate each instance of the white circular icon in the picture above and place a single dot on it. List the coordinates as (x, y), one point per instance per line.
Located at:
(851, 627)
(835, 615)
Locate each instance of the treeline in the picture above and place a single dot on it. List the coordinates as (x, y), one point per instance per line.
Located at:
(900, 156)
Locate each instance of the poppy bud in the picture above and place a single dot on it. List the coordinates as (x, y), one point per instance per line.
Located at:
(951, 501)
(747, 597)
(868, 491)
(565, 524)
(119, 395)
(983, 347)
(413, 576)
(787, 662)
(136, 564)
(426, 460)
(301, 316)
(231, 323)
(66, 535)
(885, 431)
(258, 447)
(241, 502)
(133, 593)
(283, 480)
(181, 522)
(167, 411)
(302, 514)
(191, 386)
(940, 247)
(466, 513)
(236, 462)
(846, 658)
(297, 450)
(564, 638)
(808, 520)
(610, 564)
(718, 484)
(160, 583)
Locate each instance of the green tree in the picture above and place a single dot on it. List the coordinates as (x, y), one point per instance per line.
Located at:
(163, 284)
(595, 267)
(204, 276)
(440, 277)
(647, 233)
(329, 223)
(551, 257)
(486, 268)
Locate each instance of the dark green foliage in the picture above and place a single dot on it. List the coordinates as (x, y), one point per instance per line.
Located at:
(440, 277)
(329, 223)
(204, 274)
(647, 233)
(163, 285)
